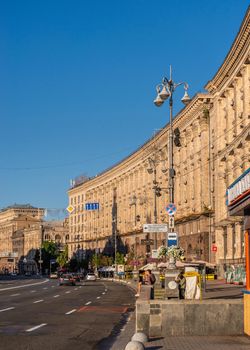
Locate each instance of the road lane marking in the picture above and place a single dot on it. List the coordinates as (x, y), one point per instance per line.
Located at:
(98, 297)
(24, 285)
(70, 312)
(89, 302)
(56, 296)
(75, 288)
(14, 295)
(67, 292)
(32, 291)
(103, 293)
(7, 309)
(36, 327)
(52, 286)
(45, 288)
(37, 301)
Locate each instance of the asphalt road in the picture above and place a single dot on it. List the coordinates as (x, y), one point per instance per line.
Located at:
(47, 316)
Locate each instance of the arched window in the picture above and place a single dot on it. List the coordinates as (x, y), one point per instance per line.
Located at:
(58, 238)
(189, 250)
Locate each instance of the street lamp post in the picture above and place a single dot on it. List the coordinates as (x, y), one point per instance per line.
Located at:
(166, 90)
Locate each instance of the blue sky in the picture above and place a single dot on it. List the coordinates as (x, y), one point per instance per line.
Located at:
(77, 82)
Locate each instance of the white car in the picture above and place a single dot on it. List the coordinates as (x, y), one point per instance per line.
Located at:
(91, 277)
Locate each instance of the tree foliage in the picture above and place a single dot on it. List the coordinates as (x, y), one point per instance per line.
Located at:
(62, 258)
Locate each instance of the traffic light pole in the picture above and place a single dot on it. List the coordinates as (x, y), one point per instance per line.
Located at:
(155, 208)
(171, 137)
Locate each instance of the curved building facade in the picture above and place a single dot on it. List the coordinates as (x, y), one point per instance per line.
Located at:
(212, 152)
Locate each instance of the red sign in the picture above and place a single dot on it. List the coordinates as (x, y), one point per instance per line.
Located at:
(214, 248)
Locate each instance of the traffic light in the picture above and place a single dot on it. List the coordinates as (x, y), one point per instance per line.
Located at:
(158, 191)
(177, 135)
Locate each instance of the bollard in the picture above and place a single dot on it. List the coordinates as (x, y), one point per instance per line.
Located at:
(141, 337)
(134, 345)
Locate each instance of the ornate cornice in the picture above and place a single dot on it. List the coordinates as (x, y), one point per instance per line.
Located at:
(236, 143)
(236, 57)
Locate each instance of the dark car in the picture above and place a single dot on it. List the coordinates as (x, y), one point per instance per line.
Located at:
(67, 280)
(76, 277)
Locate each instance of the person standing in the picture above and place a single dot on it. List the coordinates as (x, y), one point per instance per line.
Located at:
(181, 280)
(149, 279)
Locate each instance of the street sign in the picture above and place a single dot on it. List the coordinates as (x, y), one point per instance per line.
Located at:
(120, 269)
(172, 239)
(171, 208)
(214, 248)
(147, 241)
(92, 206)
(40, 261)
(171, 221)
(155, 228)
(70, 209)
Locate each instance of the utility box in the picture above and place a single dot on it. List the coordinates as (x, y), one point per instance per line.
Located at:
(171, 287)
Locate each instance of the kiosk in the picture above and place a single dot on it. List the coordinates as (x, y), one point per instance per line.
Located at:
(238, 194)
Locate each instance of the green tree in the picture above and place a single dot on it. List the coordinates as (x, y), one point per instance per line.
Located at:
(62, 258)
(96, 260)
(49, 252)
(105, 260)
(120, 258)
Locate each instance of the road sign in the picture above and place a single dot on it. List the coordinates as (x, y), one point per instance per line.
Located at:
(155, 228)
(171, 221)
(171, 208)
(120, 268)
(214, 248)
(91, 206)
(40, 261)
(172, 239)
(70, 209)
(147, 241)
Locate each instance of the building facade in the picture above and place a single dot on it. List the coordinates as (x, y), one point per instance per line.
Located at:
(13, 221)
(22, 232)
(213, 151)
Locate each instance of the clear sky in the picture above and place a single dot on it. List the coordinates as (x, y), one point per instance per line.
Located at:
(78, 77)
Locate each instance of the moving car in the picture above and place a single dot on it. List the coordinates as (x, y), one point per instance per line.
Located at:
(91, 276)
(53, 275)
(67, 280)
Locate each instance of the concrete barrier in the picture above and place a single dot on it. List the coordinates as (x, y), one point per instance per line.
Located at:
(190, 317)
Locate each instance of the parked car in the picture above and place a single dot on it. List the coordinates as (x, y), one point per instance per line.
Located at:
(53, 275)
(67, 280)
(76, 277)
(91, 276)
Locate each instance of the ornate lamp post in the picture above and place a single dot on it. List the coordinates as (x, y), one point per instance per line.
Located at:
(166, 90)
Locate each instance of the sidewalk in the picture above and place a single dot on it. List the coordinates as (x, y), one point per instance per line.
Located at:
(215, 290)
(200, 343)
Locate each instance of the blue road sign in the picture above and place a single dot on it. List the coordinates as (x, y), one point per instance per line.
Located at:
(92, 206)
(172, 239)
(171, 208)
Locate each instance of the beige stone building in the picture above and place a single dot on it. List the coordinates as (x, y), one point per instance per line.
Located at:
(13, 221)
(22, 232)
(214, 135)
